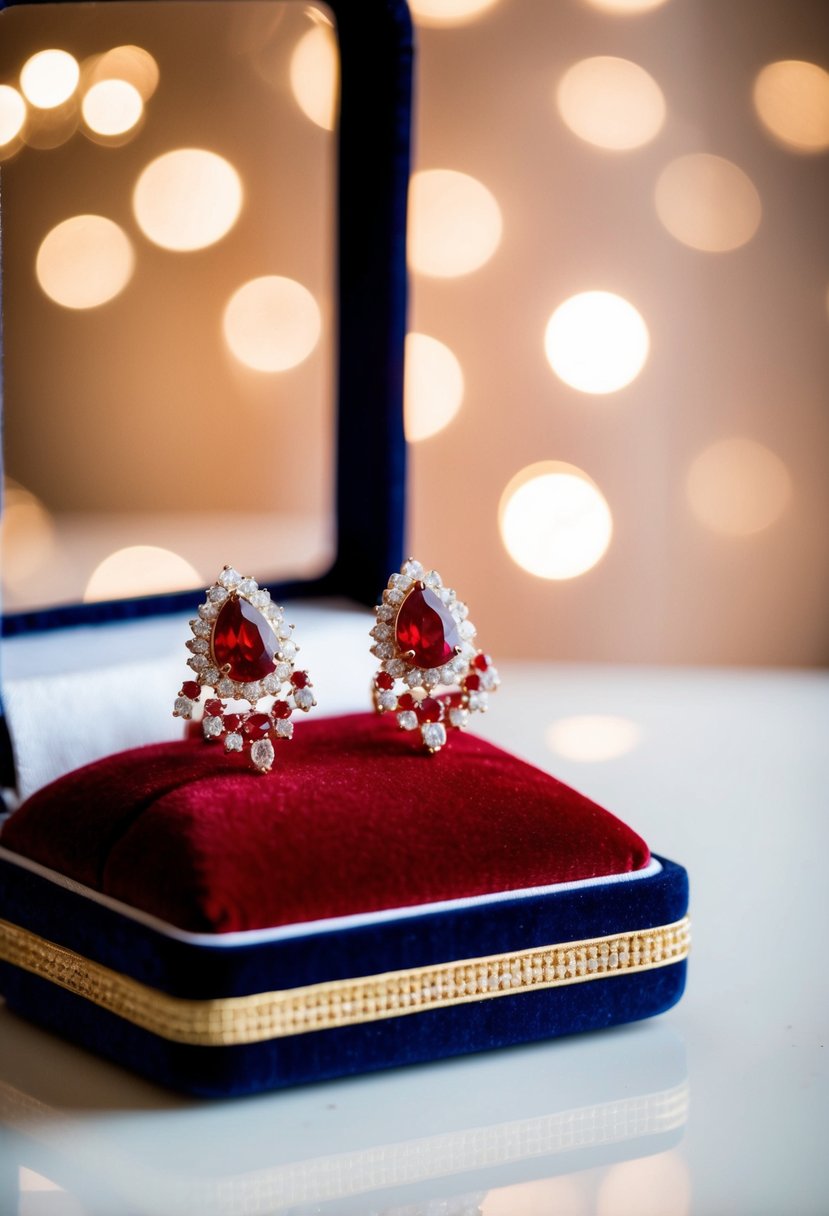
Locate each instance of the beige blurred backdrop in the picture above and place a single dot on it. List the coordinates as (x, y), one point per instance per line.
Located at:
(644, 150)
(168, 281)
(617, 366)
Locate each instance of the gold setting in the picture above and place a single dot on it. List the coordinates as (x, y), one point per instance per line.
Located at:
(259, 1017)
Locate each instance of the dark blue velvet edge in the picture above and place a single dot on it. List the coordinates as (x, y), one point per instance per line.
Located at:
(204, 972)
(196, 971)
(326, 1054)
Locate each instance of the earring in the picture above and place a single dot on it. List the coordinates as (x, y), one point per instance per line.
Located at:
(243, 649)
(423, 637)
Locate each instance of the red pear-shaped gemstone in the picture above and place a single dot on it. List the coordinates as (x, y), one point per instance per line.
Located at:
(243, 641)
(426, 627)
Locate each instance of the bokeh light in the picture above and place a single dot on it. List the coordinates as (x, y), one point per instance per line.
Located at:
(791, 98)
(112, 107)
(84, 261)
(448, 12)
(131, 64)
(12, 114)
(433, 389)
(314, 75)
(738, 487)
(647, 1186)
(593, 737)
(272, 323)
(27, 535)
(707, 202)
(596, 342)
(49, 78)
(611, 103)
(140, 570)
(187, 199)
(455, 223)
(566, 1195)
(626, 7)
(554, 520)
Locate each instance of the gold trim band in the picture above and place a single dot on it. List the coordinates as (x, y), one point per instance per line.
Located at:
(261, 1016)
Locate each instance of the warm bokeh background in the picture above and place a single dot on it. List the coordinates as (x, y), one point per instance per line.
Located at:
(617, 371)
(168, 284)
(647, 150)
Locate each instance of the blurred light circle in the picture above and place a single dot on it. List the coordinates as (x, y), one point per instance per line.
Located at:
(626, 7)
(49, 78)
(140, 570)
(433, 389)
(596, 342)
(611, 102)
(187, 199)
(791, 98)
(84, 261)
(448, 12)
(314, 75)
(112, 107)
(131, 64)
(12, 114)
(707, 202)
(566, 1195)
(738, 487)
(646, 1186)
(455, 223)
(272, 323)
(593, 737)
(27, 535)
(554, 520)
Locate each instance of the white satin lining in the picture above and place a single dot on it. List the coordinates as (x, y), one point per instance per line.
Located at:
(252, 937)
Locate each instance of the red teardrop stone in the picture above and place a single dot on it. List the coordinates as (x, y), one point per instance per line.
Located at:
(243, 641)
(425, 626)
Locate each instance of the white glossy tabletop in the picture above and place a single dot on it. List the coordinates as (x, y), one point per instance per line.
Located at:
(719, 1106)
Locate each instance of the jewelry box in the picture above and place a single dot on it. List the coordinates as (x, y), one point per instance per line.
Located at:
(364, 905)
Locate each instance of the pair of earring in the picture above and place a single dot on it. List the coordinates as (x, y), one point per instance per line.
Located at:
(431, 674)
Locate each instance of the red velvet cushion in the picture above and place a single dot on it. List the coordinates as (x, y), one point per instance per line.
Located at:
(353, 818)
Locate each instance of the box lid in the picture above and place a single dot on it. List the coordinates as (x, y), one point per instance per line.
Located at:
(373, 149)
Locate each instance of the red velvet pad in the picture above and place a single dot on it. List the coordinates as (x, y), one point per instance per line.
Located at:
(353, 818)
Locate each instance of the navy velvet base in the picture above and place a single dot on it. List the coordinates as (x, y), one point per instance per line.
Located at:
(325, 1054)
(200, 971)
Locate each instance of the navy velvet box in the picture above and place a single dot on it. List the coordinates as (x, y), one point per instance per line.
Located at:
(549, 932)
(365, 906)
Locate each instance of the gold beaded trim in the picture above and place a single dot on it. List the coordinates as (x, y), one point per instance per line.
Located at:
(273, 1015)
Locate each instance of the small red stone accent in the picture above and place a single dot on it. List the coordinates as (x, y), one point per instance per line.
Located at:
(191, 689)
(214, 708)
(243, 641)
(481, 661)
(232, 722)
(384, 680)
(429, 710)
(281, 709)
(426, 627)
(406, 701)
(300, 679)
(472, 682)
(257, 726)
